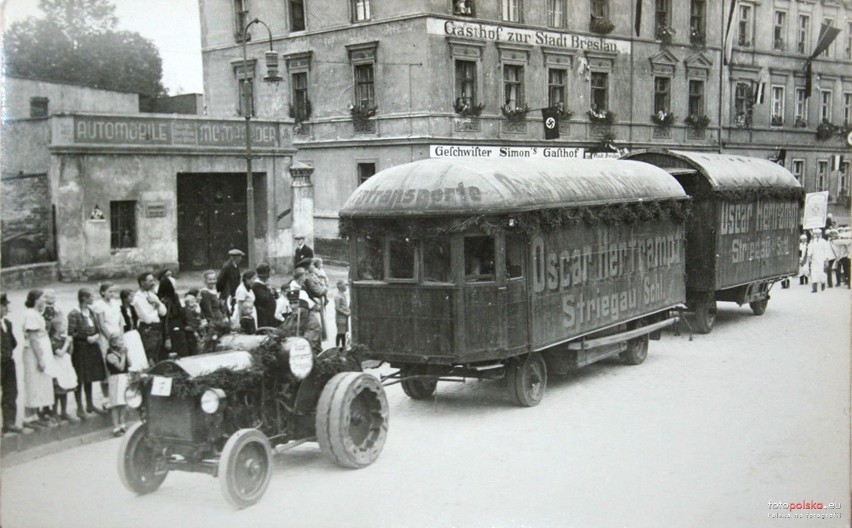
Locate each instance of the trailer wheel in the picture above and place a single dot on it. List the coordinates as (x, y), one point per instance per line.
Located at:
(418, 388)
(245, 467)
(352, 419)
(637, 349)
(759, 307)
(705, 314)
(527, 379)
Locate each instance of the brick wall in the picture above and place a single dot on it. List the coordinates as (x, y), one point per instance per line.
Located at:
(26, 220)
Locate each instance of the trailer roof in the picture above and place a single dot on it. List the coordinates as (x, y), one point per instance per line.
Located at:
(723, 171)
(439, 187)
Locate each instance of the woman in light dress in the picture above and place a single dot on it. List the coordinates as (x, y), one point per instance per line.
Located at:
(137, 361)
(39, 364)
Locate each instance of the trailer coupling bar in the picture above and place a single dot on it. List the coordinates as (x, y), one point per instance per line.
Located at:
(399, 379)
(623, 336)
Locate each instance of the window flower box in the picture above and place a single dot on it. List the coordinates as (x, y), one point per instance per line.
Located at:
(697, 122)
(825, 130)
(697, 38)
(467, 109)
(515, 113)
(306, 113)
(800, 122)
(601, 117)
(665, 33)
(663, 119)
(601, 25)
(776, 121)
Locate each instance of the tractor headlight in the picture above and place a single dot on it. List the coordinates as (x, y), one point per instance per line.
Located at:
(211, 399)
(301, 357)
(133, 398)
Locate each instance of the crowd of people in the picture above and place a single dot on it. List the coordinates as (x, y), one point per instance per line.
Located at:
(92, 349)
(824, 258)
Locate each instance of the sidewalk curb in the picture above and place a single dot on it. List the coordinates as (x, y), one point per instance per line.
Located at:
(27, 454)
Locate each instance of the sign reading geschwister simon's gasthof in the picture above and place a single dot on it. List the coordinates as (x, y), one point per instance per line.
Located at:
(497, 152)
(535, 37)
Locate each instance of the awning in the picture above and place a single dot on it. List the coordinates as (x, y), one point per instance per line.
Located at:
(441, 187)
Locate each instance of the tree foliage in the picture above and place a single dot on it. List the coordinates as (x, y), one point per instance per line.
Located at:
(76, 43)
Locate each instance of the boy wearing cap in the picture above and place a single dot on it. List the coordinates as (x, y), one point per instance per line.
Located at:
(229, 276)
(9, 381)
(302, 252)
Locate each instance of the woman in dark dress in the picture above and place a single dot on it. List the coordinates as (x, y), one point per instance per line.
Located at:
(87, 359)
(174, 321)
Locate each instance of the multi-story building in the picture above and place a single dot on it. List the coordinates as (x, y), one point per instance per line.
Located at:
(368, 85)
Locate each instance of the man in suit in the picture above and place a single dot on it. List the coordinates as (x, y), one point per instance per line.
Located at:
(303, 251)
(264, 298)
(229, 277)
(9, 381)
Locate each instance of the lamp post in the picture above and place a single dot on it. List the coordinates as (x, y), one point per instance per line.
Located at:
(271, 76)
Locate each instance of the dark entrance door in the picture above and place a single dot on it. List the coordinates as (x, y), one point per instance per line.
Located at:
(212, 218)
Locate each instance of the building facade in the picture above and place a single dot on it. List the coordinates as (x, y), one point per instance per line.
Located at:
(98, 189)
(377, 84)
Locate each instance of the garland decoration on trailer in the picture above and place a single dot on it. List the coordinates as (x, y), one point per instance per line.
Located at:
(528, 222)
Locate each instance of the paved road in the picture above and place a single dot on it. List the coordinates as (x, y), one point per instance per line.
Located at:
(706, 433)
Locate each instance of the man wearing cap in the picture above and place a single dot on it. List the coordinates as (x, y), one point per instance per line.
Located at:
(303, 252)
(819, 253)
(9, 381)
(229, 276)
(264, 298)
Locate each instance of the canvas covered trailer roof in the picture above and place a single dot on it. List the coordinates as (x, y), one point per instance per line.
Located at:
(441, 187)
(723, 171)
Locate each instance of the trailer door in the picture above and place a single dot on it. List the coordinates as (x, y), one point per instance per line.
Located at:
(516, 300)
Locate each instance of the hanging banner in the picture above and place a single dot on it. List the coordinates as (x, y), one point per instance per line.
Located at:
(816, 209)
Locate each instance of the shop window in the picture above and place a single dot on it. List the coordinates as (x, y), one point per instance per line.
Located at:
(478, 259)
(436, 260)
(777, 118)
(599, 85)
(466, 83)
(516, 248)
(365, 91)
(745, 25)
(557, 91)
(401, 258)
(241, 20)
(556, 13)
(464, 8)
(803, 33)
(696, 98)
(365, 170)
(513, 86)
(122, 224)
(513, 10)
(370, 258)
(297, 15)
(39, 106)
(301, 103)
(779, 36)
(361, 10)
(662, 95)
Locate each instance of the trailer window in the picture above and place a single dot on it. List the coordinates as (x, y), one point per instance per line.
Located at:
(515, 249)
(478, 259)
(401, 251)
(368, 252)
(436, 260)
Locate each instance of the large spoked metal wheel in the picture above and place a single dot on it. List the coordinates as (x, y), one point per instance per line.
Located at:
(139, 467)
(527, 379)
(352, 419)
(637, 349)
(245, 467)
(705, 313)
(418, 388)
(759, 307)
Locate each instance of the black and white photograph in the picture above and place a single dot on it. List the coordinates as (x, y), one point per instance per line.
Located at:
(426, 263)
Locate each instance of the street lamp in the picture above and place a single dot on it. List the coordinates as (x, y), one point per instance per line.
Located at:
(271, 76)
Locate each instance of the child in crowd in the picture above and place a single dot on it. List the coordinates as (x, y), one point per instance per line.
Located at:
(248, 319)
(341, 314)
(116, 360)
(195, 323)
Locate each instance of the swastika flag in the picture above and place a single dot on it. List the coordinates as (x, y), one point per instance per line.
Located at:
(550, 116)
